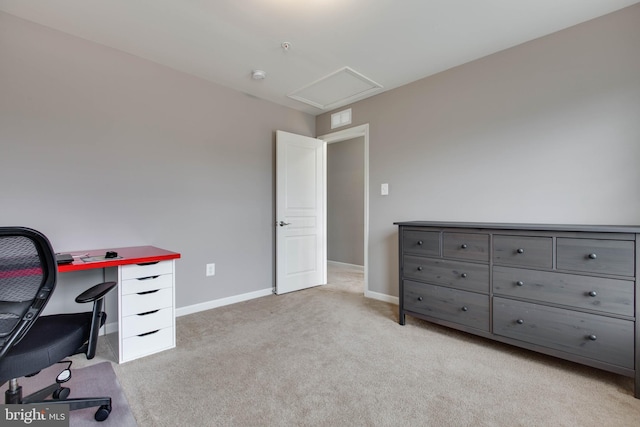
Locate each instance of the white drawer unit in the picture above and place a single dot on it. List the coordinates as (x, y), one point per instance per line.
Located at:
(145, 302)
(146, 310)
(145, 344)
(146, 284)
(140, 271)
(142, 323)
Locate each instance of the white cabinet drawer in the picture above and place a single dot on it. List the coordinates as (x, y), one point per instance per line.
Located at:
(142, 303)
(135, 271)
(134, 286)
(138, 346)
(147, 322)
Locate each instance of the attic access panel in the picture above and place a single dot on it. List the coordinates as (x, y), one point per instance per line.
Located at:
(336, 89)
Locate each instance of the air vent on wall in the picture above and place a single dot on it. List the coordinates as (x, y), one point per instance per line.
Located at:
(341, 118)
(336, 89)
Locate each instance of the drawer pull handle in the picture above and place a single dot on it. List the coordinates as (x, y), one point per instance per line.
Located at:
(149, 333)
(419, 268)
(593, 256)
(148, 292)
(465, 308)
(148, 278)
(593, 294)
(520, 250)
(419, 298)
(520, 321)
(463, 275)
(149, 263)
(419, 242)
(148, 312)
(520, 283)
(593, 337)
(464, 246)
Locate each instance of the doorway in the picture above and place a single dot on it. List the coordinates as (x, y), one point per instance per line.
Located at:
(354, 230)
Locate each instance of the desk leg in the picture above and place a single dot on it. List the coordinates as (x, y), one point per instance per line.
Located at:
(112, 326)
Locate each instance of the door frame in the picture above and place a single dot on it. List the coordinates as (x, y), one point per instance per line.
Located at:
(343, 135)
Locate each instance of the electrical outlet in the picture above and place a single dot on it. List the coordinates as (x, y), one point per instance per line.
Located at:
(211, 269)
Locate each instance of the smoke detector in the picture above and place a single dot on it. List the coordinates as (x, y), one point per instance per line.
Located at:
(258, 75)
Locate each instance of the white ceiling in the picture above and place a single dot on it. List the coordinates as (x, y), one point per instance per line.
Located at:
(392, 42)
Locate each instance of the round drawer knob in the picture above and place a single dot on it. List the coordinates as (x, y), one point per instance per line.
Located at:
(419, 298)
(419, 268)
(419, 242)
(463, 246)
(593, 294)
(520, 321)
(593, 256)
(520, 250)
(463, 275)
(520, 283)
(465, 308)
(593, 337)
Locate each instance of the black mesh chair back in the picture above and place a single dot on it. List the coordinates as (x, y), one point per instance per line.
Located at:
(27, 278)
(30, 342)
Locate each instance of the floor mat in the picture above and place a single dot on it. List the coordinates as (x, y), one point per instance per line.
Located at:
(97, 380)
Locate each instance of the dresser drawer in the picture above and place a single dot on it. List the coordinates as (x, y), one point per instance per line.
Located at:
(147, 322)
(466, 308)
(596, 256)
(462, 275)
(134, 286)
(152, 342)
(421, 242)
(136, 271)
(596, 337)
(593, 293)
(148, 301)
(523, 251)
(469, 246)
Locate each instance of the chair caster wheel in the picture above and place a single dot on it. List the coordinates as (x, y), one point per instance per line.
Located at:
(61, 393)
(102, 413)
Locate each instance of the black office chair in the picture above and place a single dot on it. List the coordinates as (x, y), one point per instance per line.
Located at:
(30, 342)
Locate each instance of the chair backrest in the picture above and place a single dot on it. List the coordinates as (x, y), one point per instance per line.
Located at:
(28, 273)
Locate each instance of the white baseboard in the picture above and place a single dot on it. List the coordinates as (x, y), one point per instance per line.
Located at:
(183, 311)
(344, 264)
(382, 297)
(195, 308)
(109, 328)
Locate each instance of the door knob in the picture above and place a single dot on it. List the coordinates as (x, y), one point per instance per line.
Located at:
(282, 223)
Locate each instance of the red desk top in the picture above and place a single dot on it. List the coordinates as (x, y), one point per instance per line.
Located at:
(130, 255)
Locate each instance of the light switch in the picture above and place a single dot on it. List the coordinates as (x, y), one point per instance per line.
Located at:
(384, 189)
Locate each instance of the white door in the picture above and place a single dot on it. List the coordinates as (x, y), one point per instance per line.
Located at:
(301, 238)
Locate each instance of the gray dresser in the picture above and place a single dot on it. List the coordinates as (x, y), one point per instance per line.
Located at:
(564, 290)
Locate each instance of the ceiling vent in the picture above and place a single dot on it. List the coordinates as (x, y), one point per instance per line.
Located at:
(336, 89)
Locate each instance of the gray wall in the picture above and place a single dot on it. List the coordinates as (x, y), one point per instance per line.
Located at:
(99, 149)
(548, 131)
(345, 201)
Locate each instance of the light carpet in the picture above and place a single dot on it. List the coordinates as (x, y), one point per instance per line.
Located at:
(327, 356)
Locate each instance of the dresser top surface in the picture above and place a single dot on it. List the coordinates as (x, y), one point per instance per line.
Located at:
(520, 226)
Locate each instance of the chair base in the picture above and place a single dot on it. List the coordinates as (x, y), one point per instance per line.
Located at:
(14, 396)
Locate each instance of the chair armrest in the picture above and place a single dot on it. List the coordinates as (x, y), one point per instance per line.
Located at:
(96, 292)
